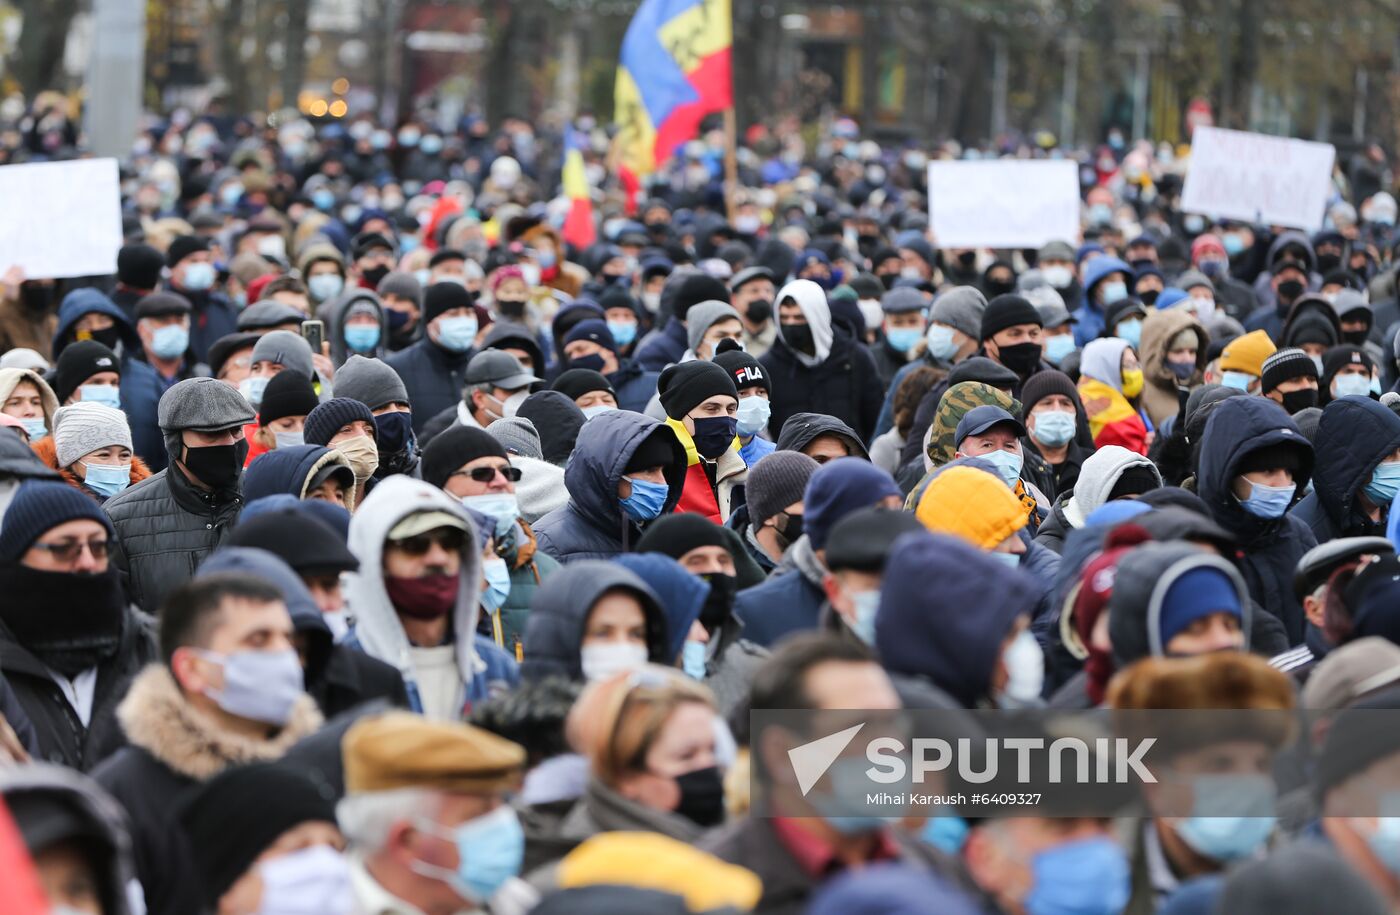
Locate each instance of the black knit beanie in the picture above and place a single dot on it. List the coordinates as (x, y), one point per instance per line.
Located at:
(454, 447)
(676, 535)
(684, 386)
(656, 450)
(289, 393)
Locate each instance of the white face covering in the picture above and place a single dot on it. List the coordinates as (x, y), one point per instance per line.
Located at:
(311, 881)
(1025, 668)
(602, 660)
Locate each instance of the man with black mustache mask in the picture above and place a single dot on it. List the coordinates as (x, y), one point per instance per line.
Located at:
(1011, 332)
(69, 644)
(169, 522)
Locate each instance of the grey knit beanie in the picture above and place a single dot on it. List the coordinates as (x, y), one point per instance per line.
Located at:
(961, 309)
(519, 436)
(702, 317)
(290, 350)
(371, 382)
(82, 428)
(776, 482)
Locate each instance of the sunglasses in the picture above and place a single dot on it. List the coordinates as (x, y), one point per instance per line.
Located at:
(487, 474)
(449, 538)
(70, 550)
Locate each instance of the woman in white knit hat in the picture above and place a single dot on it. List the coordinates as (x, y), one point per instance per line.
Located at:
(92, 446)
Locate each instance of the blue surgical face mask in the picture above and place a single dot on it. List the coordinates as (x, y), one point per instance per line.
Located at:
(946, 832)
(323, 198)
(497, 577)
(325, 286)
(424, 277)
(457, 333)
(598, 408)
(1231, 816)
(844, 809)
(362, 337)
(501, 506)
(35, 427)
(199, 277)
(1353, 386)
(867, 604)
(170, 341)
(1384, 484)
(940, 342)
(902, 339)
(1058, 347)
(1008, 465)
(1130, 330)
(1375, 386)
(693, 659)
(1233, 244)
(754, 413)
(105, 394)
(1010, 560)
(252, 390)
(1113, 292)
(1084, 877)
(623, 332)
(1053, 428)
(1240, 381)
(107, 479)
(289, 439)
(258, 685)
(490, 850)
(647, 499)
(1268, 501)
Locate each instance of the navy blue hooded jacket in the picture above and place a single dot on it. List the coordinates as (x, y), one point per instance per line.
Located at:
(140, 385)
(1271, 546)
(951, 634)
(633, 385)
(559, 616)
(592, 525)
(681, 593)
(664, 347)
(287, 470)
(1356, 434)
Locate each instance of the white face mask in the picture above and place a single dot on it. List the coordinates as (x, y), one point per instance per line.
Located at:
(511, 405)
(311, 881)
(1025, 668)
(603, 659)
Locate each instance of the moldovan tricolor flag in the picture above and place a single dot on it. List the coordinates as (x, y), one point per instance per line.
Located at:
(675, 69)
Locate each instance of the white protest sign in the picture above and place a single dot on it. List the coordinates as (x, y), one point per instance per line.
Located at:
(61, 219)
(1257, 178)
(1004, 203)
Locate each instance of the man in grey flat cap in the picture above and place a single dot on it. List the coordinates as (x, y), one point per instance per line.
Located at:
(169, 522)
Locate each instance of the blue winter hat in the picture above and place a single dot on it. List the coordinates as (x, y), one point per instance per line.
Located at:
(682, 594)
(1197, 593)
(40, 506)
(326, 420)
(1116, 512)
(838, 488)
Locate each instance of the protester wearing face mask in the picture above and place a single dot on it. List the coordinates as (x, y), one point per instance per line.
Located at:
(701, 401)
(994, 435)
(348, 426)
(623, 315)
(1208, 255)
(1290, 380)
(169, 522)
(1214, 805)
(1049, 864)
(751, 292)
(379, 388)
(1011, 336)
(65, 621)
(1105, 284)
(1108, 474)
(163, 323)
(373, 257)
(589, 390)
(88, 372)
(591, 620)
(856, 553)
(93, 453)
(1148, 283)
(902, 331)
(263, 839)
(626, 471)
(1357, 473)
(193, 276)
(25, 396)
(1109, 383)
(1346, 372)
(322, 267)
(472, 466)
(229, 692)
(1173, 350)
(426, 817)
(436, 368)
(1050, 411)
(357, 323)
(707, 324)
(1123, 320)
(1291, 263)
(755, 388)
(403, 299)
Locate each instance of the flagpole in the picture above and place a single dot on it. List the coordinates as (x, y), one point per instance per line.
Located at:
(731, 161)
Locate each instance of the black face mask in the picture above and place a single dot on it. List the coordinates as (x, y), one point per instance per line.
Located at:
(86, 631)
(511, 308)
(714, 435)
(593, 362)
(720, 603)
(999, 287)
(1293, 401)
(1149, 297)
(1355, 337)
(374, 274)
(1289, 290)
(888, 279)
(1021, 358)
(790, 532)
(759, 310)
(799, 337)
(967, 258)
(108, 336)
(1326, 263)
(36, 296)
(216, 466)
(702, 796)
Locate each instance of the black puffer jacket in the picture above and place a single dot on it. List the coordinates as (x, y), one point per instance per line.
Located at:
(165, 528)
(60, 734)
(847, 385)
(1271, 547)
(1356, 434)
(433, 376)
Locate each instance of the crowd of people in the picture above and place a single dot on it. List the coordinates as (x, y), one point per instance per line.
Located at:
(369, 543)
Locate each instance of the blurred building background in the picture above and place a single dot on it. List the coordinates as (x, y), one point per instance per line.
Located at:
(932, 69)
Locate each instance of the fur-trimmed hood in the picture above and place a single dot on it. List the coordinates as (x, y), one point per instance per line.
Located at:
(156, 717)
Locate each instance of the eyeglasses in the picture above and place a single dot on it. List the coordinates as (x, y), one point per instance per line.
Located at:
(487, 474)
(449, 538)
(70, 550)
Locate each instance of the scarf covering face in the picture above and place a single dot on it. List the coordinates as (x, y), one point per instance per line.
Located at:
(69, 621)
